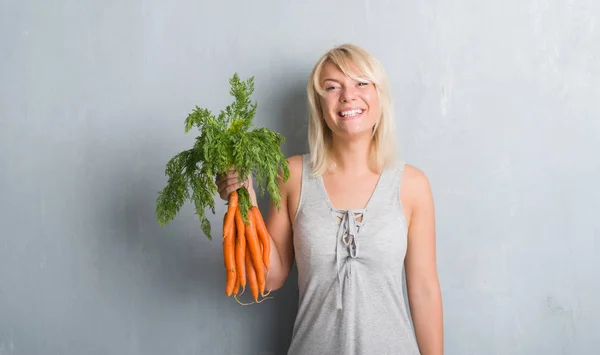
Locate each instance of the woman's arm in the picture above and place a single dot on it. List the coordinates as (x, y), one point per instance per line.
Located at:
(424, 293)
(279, 224)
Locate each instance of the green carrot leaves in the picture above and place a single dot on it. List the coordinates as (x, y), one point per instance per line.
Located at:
(225, 141)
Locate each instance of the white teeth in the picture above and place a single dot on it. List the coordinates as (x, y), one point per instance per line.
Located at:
(352, 113)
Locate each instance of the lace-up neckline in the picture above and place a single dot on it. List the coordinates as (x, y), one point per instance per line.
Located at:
(349, 223)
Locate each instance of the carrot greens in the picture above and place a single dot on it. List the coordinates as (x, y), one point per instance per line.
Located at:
(227, 140)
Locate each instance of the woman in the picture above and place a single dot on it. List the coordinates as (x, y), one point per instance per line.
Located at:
(354, 217)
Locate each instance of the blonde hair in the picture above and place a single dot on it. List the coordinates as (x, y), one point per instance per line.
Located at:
(359, 65)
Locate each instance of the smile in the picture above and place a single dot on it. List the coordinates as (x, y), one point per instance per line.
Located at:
(351, 113)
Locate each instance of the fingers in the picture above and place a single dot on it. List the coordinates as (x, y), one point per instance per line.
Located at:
(231, 174)
(228, 183)
(228, 187)
(226, 190)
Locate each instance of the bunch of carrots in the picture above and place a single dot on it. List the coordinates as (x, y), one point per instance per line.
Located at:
(229, 139)
(246, 251)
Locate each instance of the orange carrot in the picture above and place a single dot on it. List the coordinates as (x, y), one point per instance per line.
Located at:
(254, 245)
(240, 248)
(252, 282)
(236, 287)
(229, 258)
(263, 236)
(233, 205)
(224, 256)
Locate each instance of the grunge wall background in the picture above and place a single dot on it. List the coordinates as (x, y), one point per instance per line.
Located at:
(496, 101)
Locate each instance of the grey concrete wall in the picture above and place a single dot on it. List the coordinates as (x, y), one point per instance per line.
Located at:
(497, 102)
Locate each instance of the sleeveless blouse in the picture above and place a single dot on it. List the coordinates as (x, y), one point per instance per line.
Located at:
(350, 270)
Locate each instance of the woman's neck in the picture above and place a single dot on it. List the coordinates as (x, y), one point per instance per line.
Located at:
(351, 156)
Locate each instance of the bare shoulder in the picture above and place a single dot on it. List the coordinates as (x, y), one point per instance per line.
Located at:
(295, 163)
(414, 180)
(415, 190)
(295, 168)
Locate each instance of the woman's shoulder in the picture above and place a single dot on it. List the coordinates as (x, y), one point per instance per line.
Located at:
(414, 185)
(414, 175)
(294, 163)
(295, 160)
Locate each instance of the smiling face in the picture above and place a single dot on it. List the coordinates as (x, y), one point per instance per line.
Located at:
(344, 78)
(350, 107)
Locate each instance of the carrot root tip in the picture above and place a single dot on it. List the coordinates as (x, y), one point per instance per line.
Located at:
(242, 303)
(264, 298)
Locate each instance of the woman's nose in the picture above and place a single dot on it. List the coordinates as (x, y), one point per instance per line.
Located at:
(348, 94)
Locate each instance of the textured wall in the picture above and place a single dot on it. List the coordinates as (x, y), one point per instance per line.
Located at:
(496, 101)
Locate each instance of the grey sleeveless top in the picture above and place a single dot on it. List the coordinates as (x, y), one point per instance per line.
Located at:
(350, 265)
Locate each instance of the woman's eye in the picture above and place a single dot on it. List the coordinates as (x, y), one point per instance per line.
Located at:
(329, 88)
(363, 84)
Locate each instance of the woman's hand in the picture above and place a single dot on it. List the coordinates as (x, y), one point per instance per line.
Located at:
(229, 182)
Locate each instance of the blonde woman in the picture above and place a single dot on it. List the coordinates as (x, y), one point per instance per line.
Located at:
(353, 217)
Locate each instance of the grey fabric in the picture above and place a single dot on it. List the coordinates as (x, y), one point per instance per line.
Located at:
(350, 265)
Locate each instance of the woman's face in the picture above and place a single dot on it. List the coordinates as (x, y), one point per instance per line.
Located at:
(350, 108)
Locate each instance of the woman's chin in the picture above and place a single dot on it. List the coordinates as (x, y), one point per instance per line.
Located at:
(354, 133)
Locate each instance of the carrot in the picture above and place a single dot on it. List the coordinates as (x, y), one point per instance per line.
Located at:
(263, 235)
(233, 205)
(255, 253)
(240, 248)
(252, 281)
(229, 257)
(236, 287)
(224, 256)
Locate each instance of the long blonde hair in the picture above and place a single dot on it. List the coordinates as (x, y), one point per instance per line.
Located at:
(358, 64)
